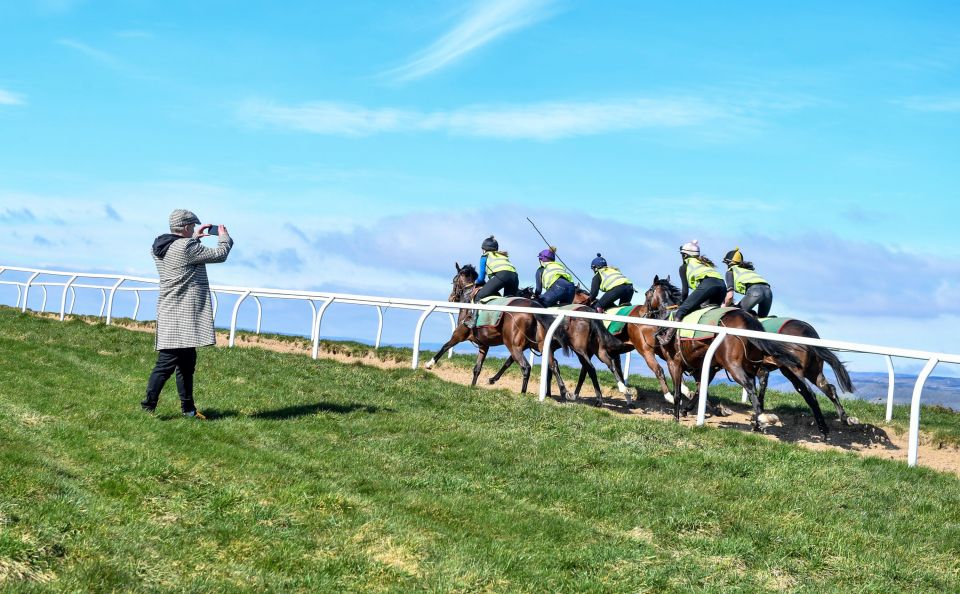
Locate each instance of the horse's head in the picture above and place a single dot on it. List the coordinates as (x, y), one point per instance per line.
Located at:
(463, 283)
(661, 295)
(526, 293)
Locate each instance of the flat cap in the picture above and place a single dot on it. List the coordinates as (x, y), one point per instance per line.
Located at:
(181, 217)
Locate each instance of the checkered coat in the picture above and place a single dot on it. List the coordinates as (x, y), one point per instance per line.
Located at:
(184, 309)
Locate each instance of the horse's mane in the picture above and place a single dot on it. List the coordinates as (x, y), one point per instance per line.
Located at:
(671, 288)
(469, 271)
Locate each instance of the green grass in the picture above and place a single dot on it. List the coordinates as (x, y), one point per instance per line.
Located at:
(318, 476)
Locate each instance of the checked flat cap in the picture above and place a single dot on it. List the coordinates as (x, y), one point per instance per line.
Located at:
(180, 218)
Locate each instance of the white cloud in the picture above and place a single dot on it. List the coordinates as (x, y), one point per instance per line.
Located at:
(95, 54)
(536, 121)
(485, 22)
(932, 103)
(10, 98)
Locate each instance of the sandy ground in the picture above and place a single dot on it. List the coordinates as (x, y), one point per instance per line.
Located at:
(864, 439)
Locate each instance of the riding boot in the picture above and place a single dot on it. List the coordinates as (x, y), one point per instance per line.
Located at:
(665, 335)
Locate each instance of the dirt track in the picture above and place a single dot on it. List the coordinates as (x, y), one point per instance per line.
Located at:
(865, 439)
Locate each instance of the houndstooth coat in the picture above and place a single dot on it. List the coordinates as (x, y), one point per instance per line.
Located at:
(184, 310)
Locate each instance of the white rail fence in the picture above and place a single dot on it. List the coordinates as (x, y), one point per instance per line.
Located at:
(108, 293)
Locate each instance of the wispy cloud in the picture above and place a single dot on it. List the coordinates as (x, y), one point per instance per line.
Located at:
(10, 98)
(932, 103)
(100, 56)
(536, 121)
(111, 213)
(485, 22)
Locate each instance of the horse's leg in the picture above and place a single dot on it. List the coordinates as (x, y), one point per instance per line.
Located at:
(676, 375)
(587, 367)
(506, 365)
(481, 356)
(740, 375)
(831, 392)
(581, 379)
(764, 376)
(801, 387)
(517, 353)
(459, 335)
(555, 371)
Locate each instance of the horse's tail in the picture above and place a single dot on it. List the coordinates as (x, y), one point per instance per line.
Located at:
(843, 378)
(608, 342)
(777, 350)
(560, 335)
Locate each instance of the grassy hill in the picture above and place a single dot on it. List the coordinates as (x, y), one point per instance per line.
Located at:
(319, 476)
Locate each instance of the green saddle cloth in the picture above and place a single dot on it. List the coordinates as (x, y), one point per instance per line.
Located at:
(621, 310)
(708, 316)
(492, 318)
(775, 324)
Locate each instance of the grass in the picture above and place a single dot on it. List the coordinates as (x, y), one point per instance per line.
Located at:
(319, 476)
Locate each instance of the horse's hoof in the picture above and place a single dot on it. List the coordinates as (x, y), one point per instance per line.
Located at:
(853, 421)
(684, 390)
(723, 411)
(668, 397)
(570, 397)
(491, 381)
(429, 364)
(598, 403)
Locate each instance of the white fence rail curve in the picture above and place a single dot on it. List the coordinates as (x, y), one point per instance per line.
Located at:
(428, 307)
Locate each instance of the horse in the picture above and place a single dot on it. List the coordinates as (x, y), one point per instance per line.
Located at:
(587, 339)
(811, 360)
(741, 357)
(516, 331)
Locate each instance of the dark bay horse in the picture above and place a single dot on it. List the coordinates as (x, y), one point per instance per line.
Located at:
(516, 331)
(811, 368)
(742, 358)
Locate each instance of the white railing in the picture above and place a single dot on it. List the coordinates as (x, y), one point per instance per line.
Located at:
(428, 307)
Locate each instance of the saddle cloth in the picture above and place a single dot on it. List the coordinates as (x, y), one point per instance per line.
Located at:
(492, 318)
(708, 316)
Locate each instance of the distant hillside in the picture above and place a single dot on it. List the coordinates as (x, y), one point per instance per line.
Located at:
(938, 390)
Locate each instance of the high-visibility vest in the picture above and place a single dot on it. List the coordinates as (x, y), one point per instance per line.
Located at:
(610, 277)
(697, 271)
(497, 262)
(552, 272)
(743, 277)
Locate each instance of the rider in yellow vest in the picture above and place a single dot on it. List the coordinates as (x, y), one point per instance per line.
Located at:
(698, 273)
(742, 278)
(554, 280)
(502, 273)
(615, 285)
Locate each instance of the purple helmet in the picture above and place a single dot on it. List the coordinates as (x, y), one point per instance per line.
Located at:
(547, 256)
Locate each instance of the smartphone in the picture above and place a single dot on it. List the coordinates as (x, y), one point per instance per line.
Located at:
(214, 230)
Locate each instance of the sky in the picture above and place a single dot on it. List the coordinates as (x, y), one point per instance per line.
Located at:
(365, 146)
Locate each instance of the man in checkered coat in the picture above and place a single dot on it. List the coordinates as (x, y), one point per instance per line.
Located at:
(184, 310)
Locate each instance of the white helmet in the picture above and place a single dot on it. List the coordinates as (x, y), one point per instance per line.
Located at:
(691, 248)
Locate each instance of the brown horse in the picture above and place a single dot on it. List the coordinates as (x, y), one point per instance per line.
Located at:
(742, 358)
(811, 368)
(516, 331)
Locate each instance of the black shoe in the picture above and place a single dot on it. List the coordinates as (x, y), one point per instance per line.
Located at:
(148, 410)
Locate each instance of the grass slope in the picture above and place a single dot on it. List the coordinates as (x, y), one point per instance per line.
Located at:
(318, 476)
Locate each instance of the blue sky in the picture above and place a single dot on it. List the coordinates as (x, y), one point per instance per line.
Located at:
(366, 146)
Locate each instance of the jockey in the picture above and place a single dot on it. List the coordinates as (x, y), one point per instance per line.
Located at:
(741, 278)
(615, 285)
(502, 273)
(554, 279)
(698, 273)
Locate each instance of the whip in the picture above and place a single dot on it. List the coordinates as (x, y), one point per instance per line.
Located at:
(549, 245)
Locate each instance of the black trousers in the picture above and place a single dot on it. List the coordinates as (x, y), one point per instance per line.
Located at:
(623, 294)
(508, 281)
(184, 362)
(710, 291)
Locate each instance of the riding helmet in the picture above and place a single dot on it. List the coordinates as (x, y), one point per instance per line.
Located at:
(598, 262)
(691, 248)
(733, 257)
(490, 244)
(548, 255)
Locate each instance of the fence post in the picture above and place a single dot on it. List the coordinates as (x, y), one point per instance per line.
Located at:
(259, 312)
(113, 293)
(233, 317)
(890, 388)
(545, 355)
(43, 304)
(705, 377)
(376, 344)
(915, 411)
(416, 335)
(313, 317)
(103, 302)
(63, 298)
(316, 327)
(216, 302)
(626, 367)
(26, 291)
(73, 300)
(136, 307)
(453, 328)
